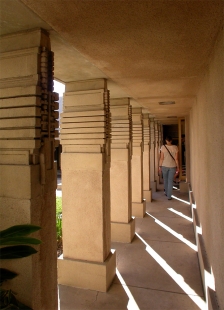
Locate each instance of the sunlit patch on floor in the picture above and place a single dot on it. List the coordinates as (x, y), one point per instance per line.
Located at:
(132, 305)
(187, 202)
(174, 275)
(180, 214)
(174, 233)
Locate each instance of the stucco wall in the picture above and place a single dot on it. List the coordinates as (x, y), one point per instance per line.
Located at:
(207, 160)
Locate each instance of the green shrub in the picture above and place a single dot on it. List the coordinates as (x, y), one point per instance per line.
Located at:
(59, 219)
(58, 204)
(14, 244)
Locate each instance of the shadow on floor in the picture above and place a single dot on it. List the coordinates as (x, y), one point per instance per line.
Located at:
(159, 270)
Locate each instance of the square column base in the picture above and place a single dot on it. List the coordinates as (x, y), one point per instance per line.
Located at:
(184, 187)
(147, 194)
(87, 275)
(123, 232)
(153, 186)
(139, 208)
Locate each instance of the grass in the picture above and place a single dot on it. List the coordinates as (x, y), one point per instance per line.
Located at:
(59, 219)
(58, 205)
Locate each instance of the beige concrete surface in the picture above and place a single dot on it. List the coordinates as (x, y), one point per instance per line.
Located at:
(158, 271)
(122, 224)
(146, 158)
(166, 60)
(184, 187)
(87, 261)
(153, 186)
(137, 174)
(123, 232)
(150, 51)
(86, 274)
(147, 195)
(157, 150)
(207, 185)
(27, 169)
(138, 208)
(153, 183)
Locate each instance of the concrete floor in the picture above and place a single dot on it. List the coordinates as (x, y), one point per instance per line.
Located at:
(159, 270)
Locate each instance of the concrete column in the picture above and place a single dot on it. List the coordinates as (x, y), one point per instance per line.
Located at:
(122, 223)
(146, 158)
(159, 143)
(152, 156)
(138, 203)
(28, 176)
(87, 261)
(156, 152)
(161, 139)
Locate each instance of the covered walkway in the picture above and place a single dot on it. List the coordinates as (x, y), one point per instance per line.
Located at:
(158, 270)
(131, 70)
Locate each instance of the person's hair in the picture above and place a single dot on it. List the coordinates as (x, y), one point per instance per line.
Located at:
(168, 138)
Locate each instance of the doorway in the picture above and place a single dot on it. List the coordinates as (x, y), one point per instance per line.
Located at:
(177, 132)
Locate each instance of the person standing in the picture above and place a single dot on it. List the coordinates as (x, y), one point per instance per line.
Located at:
(169, 165)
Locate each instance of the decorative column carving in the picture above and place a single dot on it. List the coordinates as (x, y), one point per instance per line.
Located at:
(152, 155)
(27, 142)
(146, 158)
(157, 150)
(160, 143)
(122, 223)
(87, 261)
(138, 203)
(161, 135)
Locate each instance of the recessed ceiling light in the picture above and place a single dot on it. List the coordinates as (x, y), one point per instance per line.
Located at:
(166, 102)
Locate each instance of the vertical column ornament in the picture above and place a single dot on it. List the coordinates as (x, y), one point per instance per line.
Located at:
(122, 223)
(160, 143)
(28, 113)
(146, 158)
(152, 155)
(138, 203)
(157, 150)
(85, 134)
(161, 135)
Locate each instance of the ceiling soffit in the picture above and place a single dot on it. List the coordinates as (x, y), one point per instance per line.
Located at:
(152, 50)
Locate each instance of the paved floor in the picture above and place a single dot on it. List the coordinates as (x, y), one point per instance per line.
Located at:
(158, 271)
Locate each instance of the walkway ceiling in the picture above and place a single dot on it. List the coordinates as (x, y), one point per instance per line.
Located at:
(150, 51)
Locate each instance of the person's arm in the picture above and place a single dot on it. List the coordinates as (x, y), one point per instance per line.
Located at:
(161, 160)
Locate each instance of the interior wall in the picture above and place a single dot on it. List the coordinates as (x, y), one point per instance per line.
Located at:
(187, 148)
(207, 159)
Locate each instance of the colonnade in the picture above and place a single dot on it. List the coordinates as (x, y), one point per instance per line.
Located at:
(109, 161)
(105, 179)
